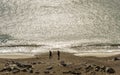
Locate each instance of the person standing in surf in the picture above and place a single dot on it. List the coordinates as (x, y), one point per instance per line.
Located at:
(50, 54)
(58, 54)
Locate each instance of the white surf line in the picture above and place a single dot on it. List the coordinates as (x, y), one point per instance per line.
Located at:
(99, 54)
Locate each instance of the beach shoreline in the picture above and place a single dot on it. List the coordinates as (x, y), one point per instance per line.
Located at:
(83, 54)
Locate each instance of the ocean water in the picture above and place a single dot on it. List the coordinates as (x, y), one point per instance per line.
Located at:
(59, 25)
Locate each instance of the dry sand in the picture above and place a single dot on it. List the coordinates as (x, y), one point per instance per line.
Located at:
(67, 57)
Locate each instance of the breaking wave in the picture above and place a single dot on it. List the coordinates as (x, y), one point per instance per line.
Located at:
(76, 47)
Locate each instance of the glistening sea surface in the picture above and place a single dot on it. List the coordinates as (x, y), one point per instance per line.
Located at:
(67, 25)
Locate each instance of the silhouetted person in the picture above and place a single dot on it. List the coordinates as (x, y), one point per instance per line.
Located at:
(50, 54)
(58, 53)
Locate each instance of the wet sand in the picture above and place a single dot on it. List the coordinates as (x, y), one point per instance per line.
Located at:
(41, 62)
(16, 56)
